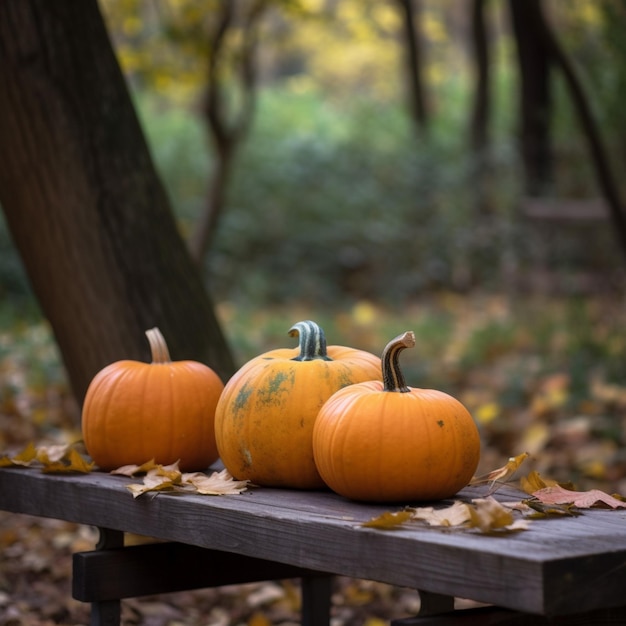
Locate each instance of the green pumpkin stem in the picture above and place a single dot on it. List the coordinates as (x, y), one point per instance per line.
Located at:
(312, 341)
(158, 347)
(393, 379)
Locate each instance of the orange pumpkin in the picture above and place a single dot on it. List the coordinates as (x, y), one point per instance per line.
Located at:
(388, 442)
(264, 418)
(164, 410)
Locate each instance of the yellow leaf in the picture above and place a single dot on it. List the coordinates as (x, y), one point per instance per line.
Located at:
(26, 456)
(71, 462)
(258, 619)
(389, 520)
(534, 481)
(487, 412)
(51, 454)
(535, 437)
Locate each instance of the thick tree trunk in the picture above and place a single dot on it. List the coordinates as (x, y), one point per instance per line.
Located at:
(535, 99)
(83, 201)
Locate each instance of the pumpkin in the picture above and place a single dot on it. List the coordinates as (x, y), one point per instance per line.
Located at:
(164, 410)
(264, 418)
(386, 442)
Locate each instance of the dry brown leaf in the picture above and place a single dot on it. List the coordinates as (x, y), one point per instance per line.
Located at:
(484, 514)
(534, 482)
(71, 461)
(502, 474)
(488, 515)
(170, 478)
(217, 484)
(581, 499)
(52, 454)
(53, 459)
(133, 470)
(454, 515)
(154, 480)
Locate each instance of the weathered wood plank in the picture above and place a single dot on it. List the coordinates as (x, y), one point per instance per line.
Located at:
(150, 569)
(539, 571)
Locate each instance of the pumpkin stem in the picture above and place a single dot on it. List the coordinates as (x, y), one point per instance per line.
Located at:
(158, 347)
(312, 341)
(393, 379)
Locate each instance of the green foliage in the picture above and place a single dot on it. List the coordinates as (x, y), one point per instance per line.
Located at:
(328, 201)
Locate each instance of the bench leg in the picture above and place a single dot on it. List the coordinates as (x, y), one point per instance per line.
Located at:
(106, 613)
(316, 592)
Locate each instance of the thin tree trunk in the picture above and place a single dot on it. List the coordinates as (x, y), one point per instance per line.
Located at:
(83, 201)
(228, 130)
(482, 106)
(604, 176)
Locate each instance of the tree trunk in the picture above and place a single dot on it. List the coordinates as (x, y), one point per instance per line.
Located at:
(535, 102)
(599, 158)
(83, 201)
(481, 107)
(413, 64)
(228, 131)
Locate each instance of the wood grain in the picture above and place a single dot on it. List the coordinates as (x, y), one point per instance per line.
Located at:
(558, 566)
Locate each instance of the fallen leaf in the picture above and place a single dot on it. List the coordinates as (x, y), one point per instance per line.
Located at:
(53, 459)
(71, 461)
(52, 454)
(217, 484)
(133, 470)
(24, 458)
(170, 478)
(454, 515)
(502, 474)
(488, 515)
(581, 499)
(154, 480)
(541, 510)
(389, 520)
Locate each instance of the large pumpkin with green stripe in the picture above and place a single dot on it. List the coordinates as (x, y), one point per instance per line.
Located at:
(265, 416)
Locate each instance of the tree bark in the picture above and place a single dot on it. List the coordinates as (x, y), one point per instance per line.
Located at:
(481, 110)
(83, 201)
(599, 158)
(227, 131)
(535, 99)
(413, 56)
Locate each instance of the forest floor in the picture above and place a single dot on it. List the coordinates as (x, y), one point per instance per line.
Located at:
(547, 377)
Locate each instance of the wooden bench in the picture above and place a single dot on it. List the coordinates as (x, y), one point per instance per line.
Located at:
(560, 571)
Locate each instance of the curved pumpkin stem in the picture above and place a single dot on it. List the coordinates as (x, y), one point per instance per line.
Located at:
(312, 341)
(393, 379)
(158, 347)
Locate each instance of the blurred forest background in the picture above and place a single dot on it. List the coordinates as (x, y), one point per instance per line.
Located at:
(455, 168)
(449, 167)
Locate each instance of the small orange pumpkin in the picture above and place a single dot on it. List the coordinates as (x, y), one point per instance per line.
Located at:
(164, 410)
(264, 418)
(388, 442)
